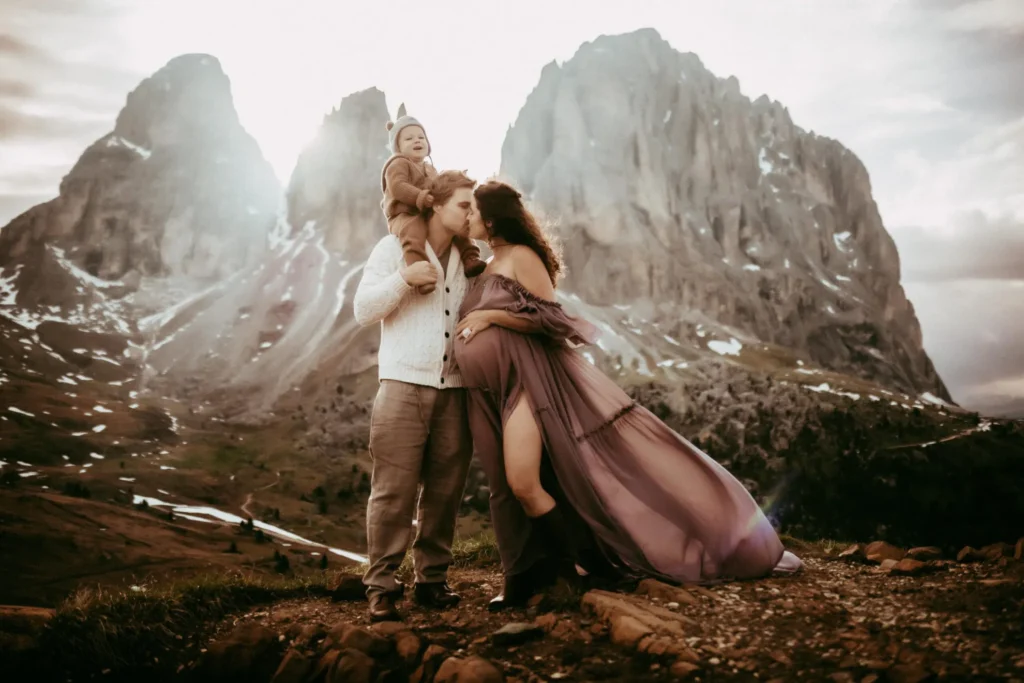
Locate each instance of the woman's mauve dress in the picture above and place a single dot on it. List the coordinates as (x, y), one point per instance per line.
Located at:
(647, 498)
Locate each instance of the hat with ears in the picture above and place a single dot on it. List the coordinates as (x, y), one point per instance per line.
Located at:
(395, 127)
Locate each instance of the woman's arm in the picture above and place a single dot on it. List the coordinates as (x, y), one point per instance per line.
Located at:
(530, 273)
(479, 320)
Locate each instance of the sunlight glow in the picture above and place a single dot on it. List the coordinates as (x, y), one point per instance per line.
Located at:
(290, 63)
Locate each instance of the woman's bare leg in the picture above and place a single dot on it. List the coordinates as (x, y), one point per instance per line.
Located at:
(523, 447)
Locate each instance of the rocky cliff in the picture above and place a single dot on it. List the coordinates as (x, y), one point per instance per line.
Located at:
(674, 193)
(336, 182)
(251, 340)
(177, 188)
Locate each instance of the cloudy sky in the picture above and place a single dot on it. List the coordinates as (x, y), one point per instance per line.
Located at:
(926, 92)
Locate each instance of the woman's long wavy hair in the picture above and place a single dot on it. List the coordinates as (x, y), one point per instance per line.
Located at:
(506, 217)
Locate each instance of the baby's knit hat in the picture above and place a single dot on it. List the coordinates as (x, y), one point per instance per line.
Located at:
(395, 128)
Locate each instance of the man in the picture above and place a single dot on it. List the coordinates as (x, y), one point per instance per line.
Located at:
(419, 432)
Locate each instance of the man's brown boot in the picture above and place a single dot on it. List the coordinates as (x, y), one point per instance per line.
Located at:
(437, 595)
(382, 608)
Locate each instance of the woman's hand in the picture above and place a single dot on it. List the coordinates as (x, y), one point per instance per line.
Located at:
(473, 324)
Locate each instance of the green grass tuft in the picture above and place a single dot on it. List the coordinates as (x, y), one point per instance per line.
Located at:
(478, 551)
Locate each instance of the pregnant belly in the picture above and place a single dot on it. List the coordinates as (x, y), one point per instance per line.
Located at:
(481, 359)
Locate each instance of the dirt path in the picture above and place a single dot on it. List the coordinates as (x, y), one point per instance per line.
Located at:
(249, 497)
(836, 621)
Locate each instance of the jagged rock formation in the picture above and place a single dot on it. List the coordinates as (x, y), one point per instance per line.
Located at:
(711, 217)
(336, 182)
(249, 341)
(674, 191)
(178, 188)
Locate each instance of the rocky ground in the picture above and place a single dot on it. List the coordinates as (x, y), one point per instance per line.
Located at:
(874, 613)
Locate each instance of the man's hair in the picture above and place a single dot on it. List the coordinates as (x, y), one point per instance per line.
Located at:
(445, 184)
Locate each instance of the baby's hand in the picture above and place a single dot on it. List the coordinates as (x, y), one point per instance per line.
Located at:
(428, 201)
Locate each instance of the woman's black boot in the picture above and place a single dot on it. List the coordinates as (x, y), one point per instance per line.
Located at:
(558, 542)
(519, 588)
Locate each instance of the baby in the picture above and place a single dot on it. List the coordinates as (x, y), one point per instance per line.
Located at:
(405, 182)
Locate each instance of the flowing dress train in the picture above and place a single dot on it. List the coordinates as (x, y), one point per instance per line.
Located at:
(653, 504)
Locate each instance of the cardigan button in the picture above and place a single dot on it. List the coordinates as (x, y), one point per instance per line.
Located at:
(445, 357)
(447, 291)
(447, 312)
(442, 380)
(446, 335)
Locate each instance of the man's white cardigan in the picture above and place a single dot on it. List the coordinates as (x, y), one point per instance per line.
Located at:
(417, 331)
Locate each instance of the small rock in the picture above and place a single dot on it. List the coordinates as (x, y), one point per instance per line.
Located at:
(348, 588)
(389, 628)
(407, 646)
(662, 591)
(294, 669)
(663, 646)
(627, 631)
(841, 677)
(250, 652)
(546, 621)
(20, 629)
(908, 567)
(854, 553)
(324, 666)
(352, 666)
(432, 659)
(307, 635)
(1018, 550)
(969, 554)
(564, 630)
(887, 565)
(516, 634)
(469, 670)
(907, 673)
(355, 638)
(995, 582)
(925, 553)
(996, 551)
(880, 551)
(683, 669)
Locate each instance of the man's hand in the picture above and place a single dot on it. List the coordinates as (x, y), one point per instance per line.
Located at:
(428, 201)
(420, 273)
(473, 324)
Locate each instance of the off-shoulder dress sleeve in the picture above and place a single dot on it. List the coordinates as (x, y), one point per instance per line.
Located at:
(554, 322)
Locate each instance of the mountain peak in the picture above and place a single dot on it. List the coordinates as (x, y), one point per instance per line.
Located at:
(194, 61)
(675, 187)
(188, 98)
(177, 188)
(336, 182)
(368, 102)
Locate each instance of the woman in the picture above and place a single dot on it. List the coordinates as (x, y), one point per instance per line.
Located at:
(580, 473)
